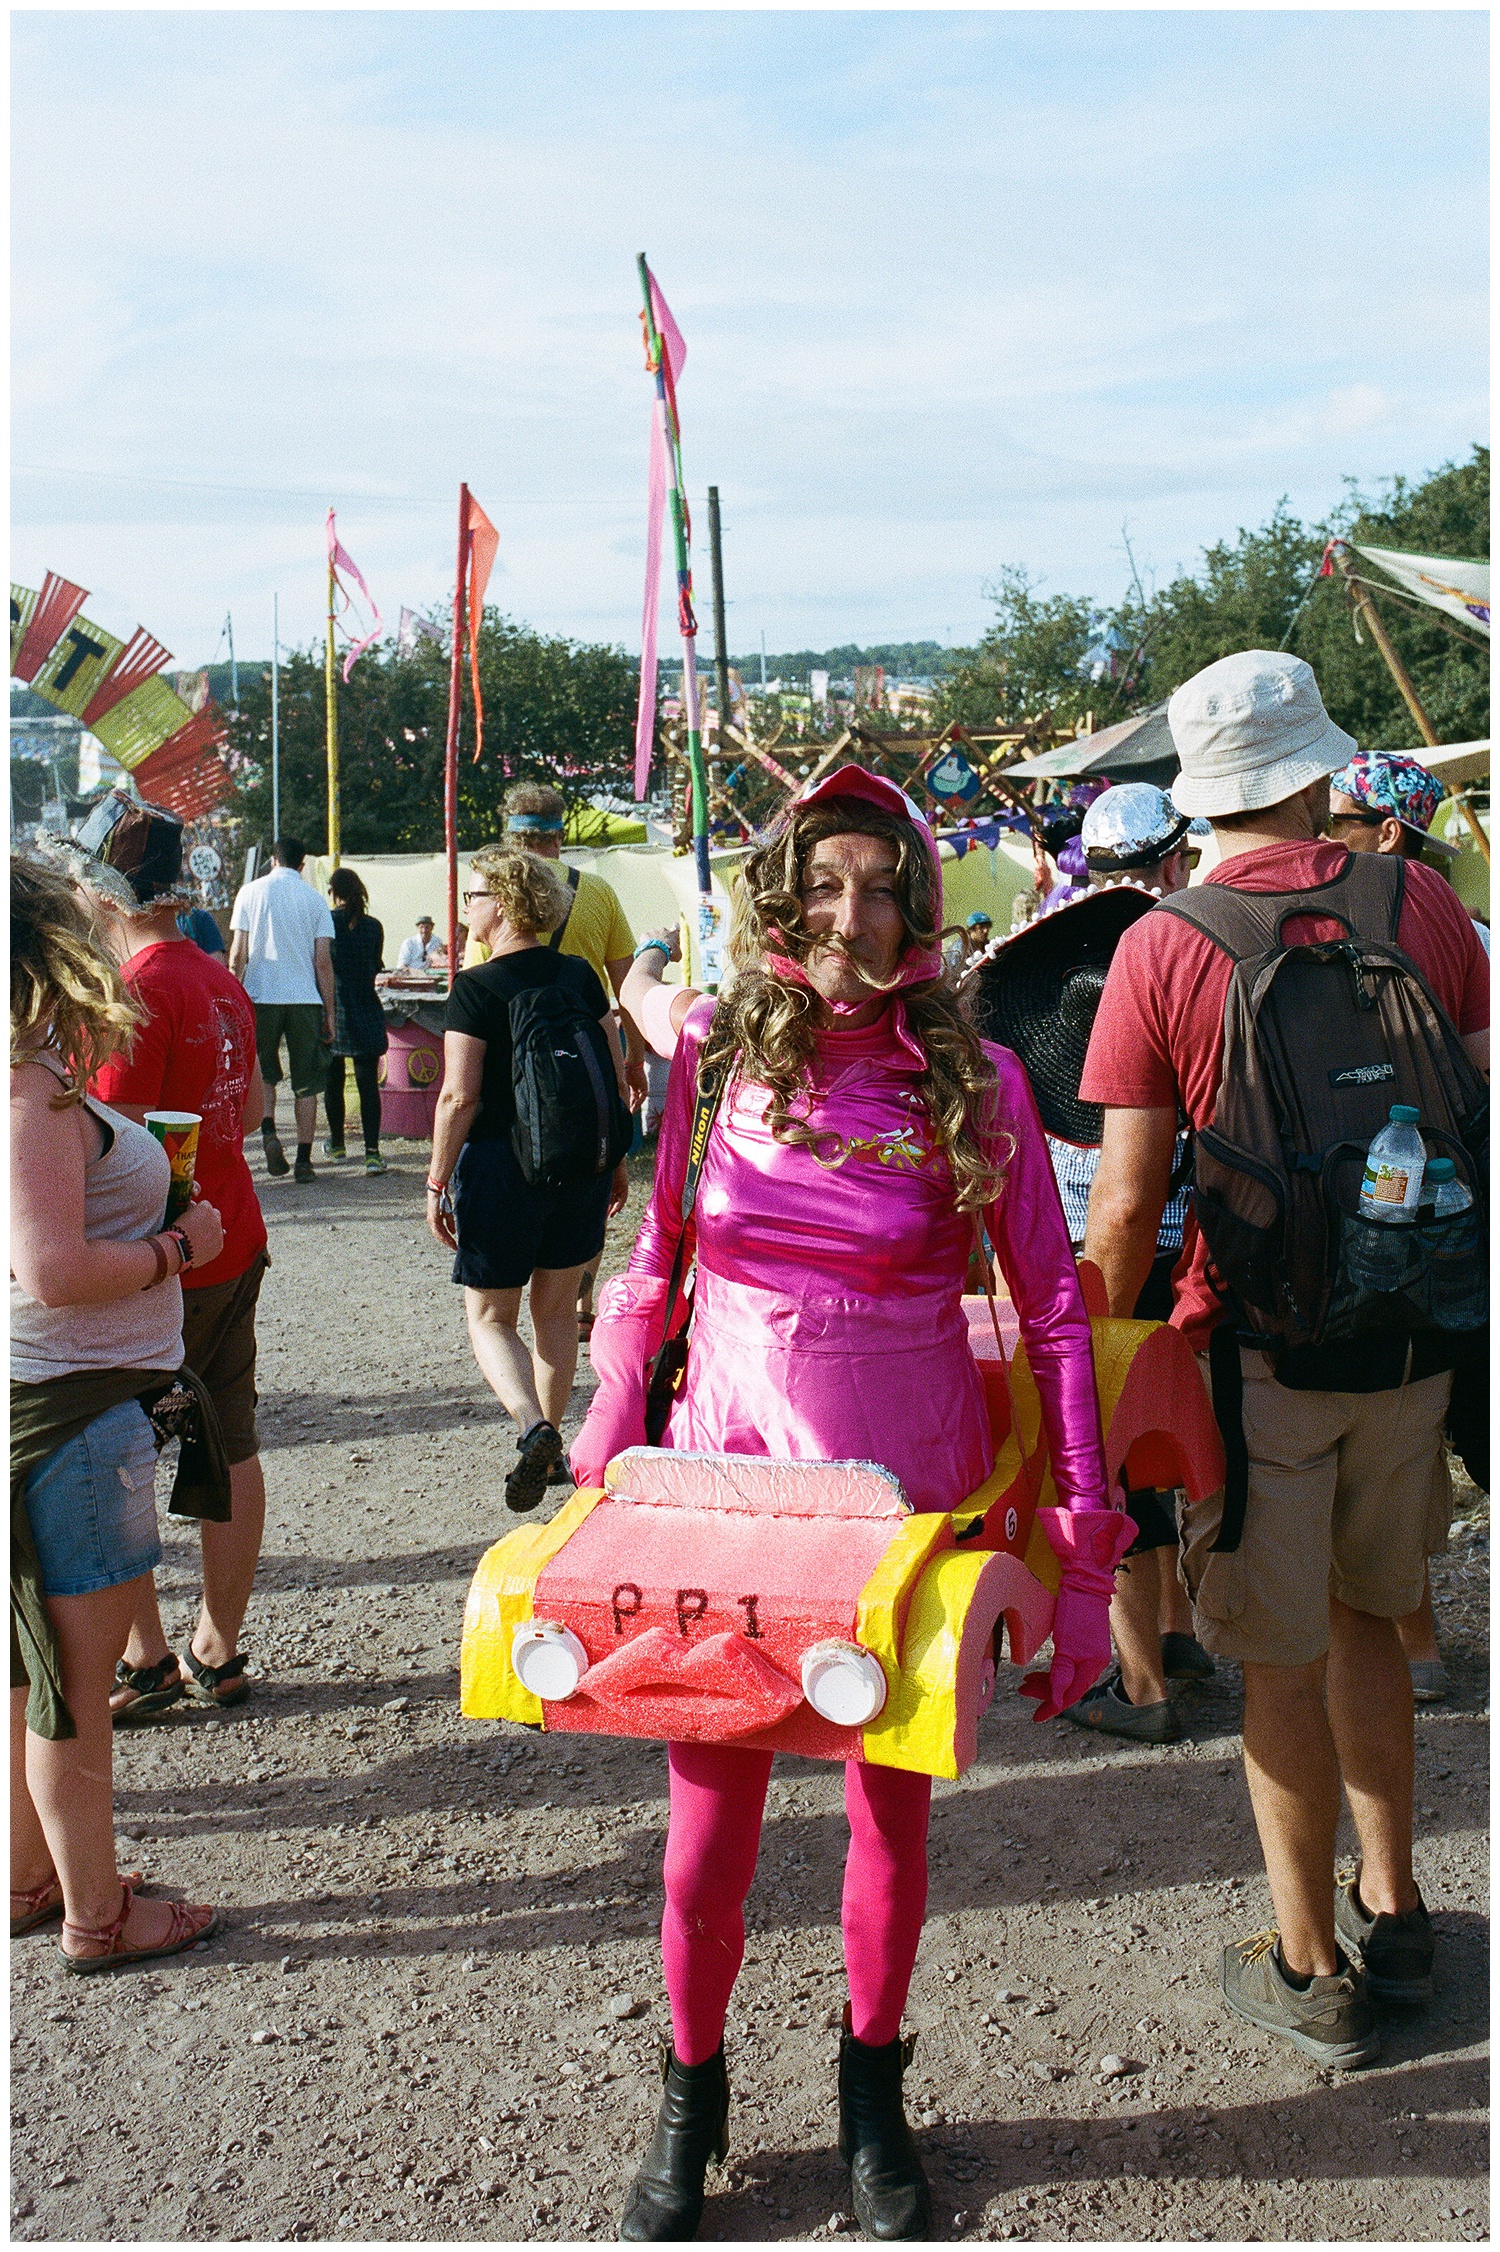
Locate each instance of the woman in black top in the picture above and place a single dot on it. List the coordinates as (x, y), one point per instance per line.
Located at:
(359, 1021)
(508, 1232)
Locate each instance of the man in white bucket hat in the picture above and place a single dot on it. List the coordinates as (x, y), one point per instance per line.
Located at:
(1301, 1567)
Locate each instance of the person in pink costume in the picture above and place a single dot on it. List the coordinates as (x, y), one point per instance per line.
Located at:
(863, 1128)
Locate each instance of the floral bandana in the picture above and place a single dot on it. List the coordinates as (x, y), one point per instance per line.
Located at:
(1388, 782)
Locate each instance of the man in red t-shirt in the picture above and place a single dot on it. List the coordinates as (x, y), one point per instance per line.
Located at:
(1341, 1483)
(194, 1052)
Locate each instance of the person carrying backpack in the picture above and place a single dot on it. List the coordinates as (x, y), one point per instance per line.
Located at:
(528, 1149)
(1283, 1006)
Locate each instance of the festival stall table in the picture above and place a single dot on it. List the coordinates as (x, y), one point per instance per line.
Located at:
(411, 1070)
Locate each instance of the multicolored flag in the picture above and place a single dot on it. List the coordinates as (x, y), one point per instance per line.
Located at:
(339, 559)
(665, 468)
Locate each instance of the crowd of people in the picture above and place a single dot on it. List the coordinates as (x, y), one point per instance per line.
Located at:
(862, 1114)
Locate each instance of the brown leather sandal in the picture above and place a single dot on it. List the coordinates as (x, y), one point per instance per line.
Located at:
(40, 1906)
(189, 1925)
(207, 1681)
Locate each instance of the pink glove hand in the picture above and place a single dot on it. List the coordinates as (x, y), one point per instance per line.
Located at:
(628, 1323)
(1090, 1542)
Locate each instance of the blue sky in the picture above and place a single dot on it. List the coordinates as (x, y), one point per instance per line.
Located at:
(960, 290)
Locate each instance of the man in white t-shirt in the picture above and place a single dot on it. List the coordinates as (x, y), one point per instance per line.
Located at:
(415, 952)
(281, 950)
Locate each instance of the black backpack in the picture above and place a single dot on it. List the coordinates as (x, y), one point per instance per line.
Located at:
(571, 1124)
(1319, 1042)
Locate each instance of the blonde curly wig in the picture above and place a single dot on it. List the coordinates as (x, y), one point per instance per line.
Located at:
(65, 992)
(763, 1028)
(533, 895)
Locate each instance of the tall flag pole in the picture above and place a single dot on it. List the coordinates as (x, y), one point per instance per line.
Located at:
(275, 717)
(661, 330)
(450, 761)
(331, 705)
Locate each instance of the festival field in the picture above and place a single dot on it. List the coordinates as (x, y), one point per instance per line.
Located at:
(435, 2007)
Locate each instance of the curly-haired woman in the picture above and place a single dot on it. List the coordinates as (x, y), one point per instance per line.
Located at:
(507, 1230)
(96, 1321)
(864, 1132)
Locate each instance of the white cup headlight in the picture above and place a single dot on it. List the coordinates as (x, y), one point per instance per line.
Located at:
(843, 1683)
(548, 1659)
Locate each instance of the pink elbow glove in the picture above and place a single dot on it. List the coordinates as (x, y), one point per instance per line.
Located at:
(1090, 1542)
(628, 1325)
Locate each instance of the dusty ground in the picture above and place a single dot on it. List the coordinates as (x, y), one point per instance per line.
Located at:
(434, 2009)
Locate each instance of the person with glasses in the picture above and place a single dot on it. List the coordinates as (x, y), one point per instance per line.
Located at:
(508, 1234)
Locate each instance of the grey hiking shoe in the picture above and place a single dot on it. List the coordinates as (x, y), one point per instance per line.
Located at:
(1396, 1951)
(1107, 1708)
(1429, 1681)
(1330, 2020)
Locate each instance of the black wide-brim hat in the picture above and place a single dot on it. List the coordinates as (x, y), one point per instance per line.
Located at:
(1040, 994)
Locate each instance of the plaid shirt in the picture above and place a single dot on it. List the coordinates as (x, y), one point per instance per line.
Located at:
(1075, 1169)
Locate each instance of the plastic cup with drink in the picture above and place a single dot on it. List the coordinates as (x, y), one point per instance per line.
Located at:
(177, 1131)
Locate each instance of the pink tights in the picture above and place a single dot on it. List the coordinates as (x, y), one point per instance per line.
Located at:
(717, 1802)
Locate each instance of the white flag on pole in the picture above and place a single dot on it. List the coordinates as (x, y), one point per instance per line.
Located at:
(1446, 582)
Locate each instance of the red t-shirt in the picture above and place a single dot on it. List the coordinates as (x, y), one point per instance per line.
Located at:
(1158, 1039)
(196, 1051)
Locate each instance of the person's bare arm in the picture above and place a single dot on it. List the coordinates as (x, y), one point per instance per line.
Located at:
(1478, 1046)
(463, 1076)
(50, 1256)
(239, 954)
(644, 980)
(635, 1046)
(1127, 1199)
(607, 1025)
(323, 972)
(255, 1099)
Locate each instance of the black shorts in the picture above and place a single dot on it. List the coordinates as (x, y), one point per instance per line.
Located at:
(507, 1229)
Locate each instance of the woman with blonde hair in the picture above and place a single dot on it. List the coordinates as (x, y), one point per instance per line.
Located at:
(527, 1149)
(862, 1133)
(96, 1324)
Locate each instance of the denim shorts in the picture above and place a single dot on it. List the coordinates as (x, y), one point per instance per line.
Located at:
(92, 1505)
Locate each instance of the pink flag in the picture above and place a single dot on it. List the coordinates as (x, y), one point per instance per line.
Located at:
(339, 559)
(483, 541)
(675, 353)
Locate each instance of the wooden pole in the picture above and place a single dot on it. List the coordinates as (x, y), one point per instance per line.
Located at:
(721, 644)
(450, 757)
(330, 685)
(1365, 607)
(677, 501)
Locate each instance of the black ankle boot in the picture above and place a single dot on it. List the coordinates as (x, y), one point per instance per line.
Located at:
(891, 2197)
(665, 2201)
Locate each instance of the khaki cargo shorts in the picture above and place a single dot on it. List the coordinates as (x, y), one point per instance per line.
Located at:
(1348, 1497)
(218, 1344)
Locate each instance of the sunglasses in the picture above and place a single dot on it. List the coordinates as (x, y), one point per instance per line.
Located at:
(1361, 820)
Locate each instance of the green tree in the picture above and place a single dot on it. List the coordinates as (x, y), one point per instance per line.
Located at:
(1030, 661)
(554, 710)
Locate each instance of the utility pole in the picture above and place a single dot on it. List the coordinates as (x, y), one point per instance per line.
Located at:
(234, 670)
(762, 662)
(721, 644)
(275, 717)
(1364, 607)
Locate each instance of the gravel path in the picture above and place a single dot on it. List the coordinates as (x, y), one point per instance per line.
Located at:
(434, 2011)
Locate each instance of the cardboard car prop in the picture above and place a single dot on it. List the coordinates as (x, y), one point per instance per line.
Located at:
(804, 1606)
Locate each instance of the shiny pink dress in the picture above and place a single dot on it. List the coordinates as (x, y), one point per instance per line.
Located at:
(827, 1320)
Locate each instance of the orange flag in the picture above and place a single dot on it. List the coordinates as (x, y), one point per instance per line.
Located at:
(483, 541)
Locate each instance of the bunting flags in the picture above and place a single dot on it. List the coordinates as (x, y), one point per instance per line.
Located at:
(665, 465)
(116, 688)
(339, 559)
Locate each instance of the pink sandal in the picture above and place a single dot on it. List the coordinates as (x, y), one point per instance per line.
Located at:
(40, 1906)
(189, 1925)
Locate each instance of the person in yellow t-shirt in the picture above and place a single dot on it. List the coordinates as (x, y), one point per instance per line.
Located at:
(596, 931)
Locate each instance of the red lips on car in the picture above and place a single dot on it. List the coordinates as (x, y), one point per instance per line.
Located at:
(719, 1687)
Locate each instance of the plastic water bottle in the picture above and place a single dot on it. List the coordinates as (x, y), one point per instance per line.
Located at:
(1448, 1192)
(1393, 1169)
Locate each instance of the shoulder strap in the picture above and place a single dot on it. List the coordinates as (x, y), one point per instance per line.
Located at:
(555, 941)
(710, 1090)
(1365, 897)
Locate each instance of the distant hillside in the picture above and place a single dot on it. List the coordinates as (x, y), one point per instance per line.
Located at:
(906, 658)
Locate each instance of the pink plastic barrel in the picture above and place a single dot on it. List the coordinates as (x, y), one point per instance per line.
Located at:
(411, 1079)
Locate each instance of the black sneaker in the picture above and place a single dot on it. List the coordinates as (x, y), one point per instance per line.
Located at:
(302, 1170)
(1396, 1951)
(1107, 1708)
(1183, 1658)
(275, 1155)
(1329, 2019)
(540, 1451)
